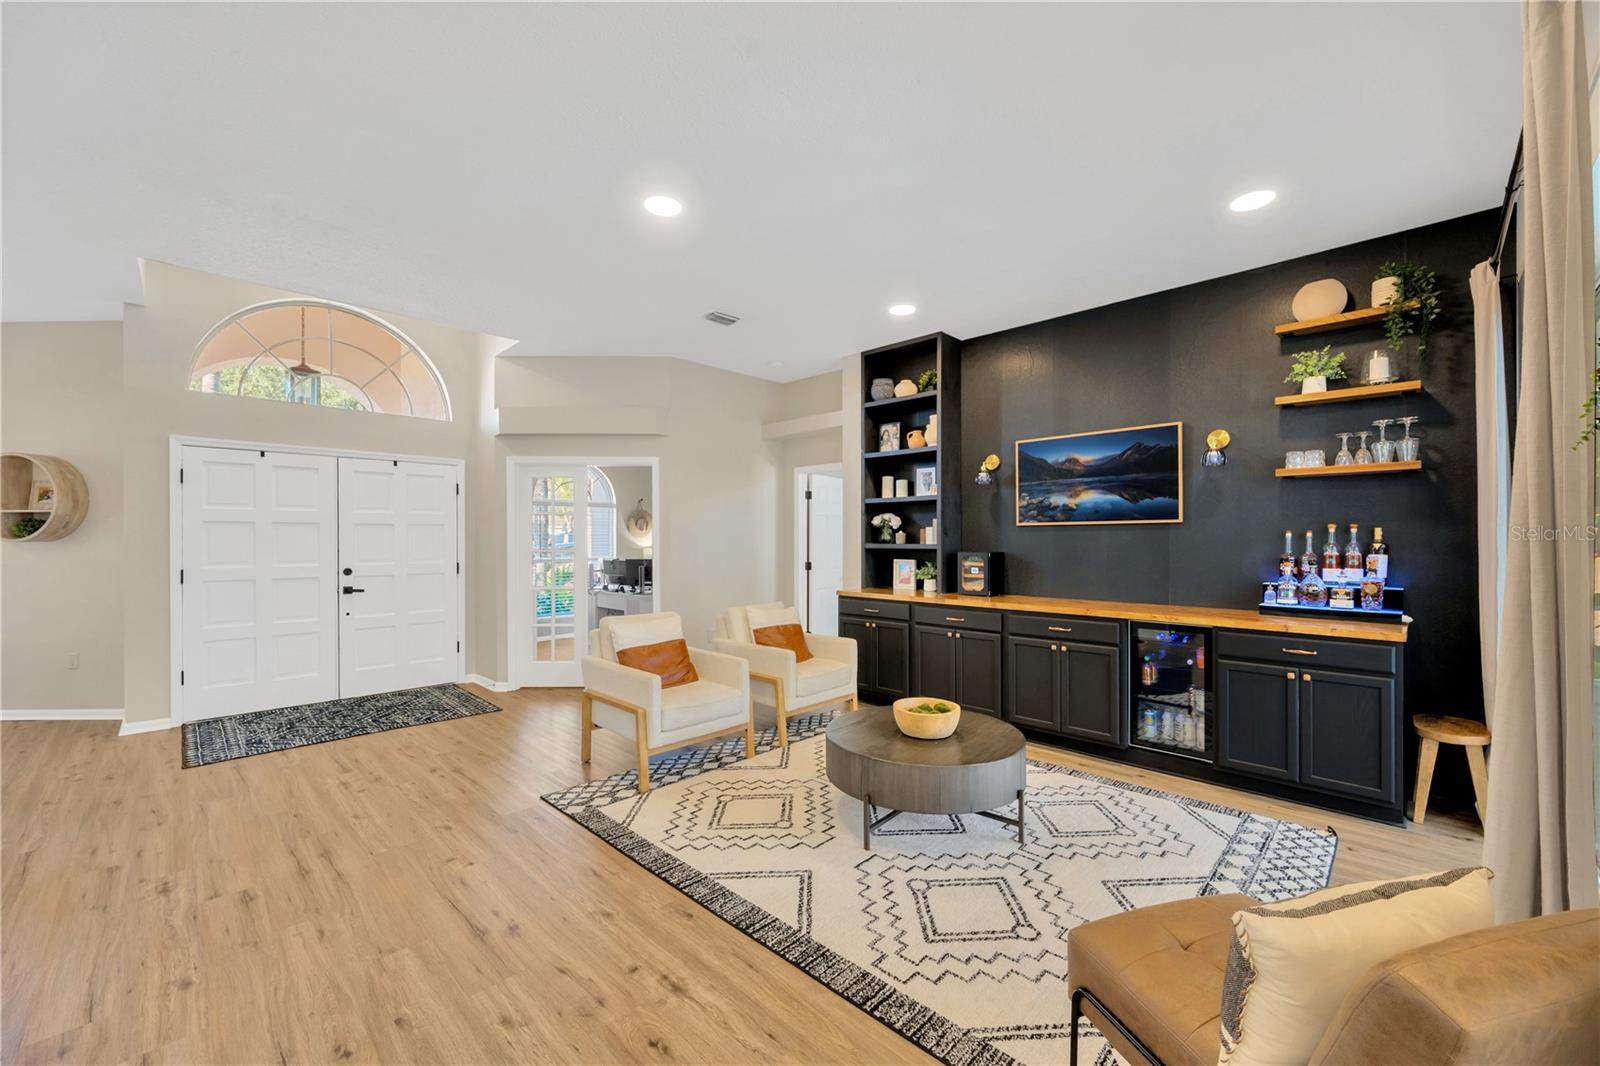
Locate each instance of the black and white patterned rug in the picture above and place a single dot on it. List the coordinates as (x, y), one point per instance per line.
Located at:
(946, 931)
(239, 736)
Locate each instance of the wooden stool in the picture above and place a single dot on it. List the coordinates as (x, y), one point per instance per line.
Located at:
(1436, 729)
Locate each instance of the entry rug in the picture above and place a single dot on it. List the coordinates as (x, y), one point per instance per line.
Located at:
(242, 735)
(946, 931)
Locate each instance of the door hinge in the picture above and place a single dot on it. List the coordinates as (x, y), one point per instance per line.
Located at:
(458, 568)
(458, 645)
(808, 566)
(180, 677)
(458, 488)
(180, 475)
(263, 455)
(808, 494)
(180, 575)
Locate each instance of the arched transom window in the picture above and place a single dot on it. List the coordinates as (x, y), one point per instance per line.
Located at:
(322, 354)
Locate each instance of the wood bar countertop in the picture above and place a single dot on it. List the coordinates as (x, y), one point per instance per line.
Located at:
(1171, 614)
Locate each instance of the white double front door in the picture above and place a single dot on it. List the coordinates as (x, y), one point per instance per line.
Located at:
(314, 577)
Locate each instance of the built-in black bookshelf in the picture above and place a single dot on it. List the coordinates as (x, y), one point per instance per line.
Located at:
(939, 511)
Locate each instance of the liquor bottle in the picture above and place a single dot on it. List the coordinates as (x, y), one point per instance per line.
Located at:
(1308, 558)
(1288, 587)
(1378, 556)
(1313, 590)
(1353, 570)
(1332, 561)
(1286, 560)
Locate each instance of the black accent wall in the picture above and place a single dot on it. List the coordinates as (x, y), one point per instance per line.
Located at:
(1206, 354)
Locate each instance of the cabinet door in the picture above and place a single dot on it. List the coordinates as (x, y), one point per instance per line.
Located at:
(1258, 720)
(891, 654)
(935, 662)
(1033, 690)
(978, 671)
(1347, 726)
(1091, 704)
(860, 631)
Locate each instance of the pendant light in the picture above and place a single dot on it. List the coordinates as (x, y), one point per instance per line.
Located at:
(302, 369)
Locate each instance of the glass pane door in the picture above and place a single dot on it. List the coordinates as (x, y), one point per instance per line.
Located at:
(550, 637)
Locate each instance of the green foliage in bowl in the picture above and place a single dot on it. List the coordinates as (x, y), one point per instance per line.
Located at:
(931, 708)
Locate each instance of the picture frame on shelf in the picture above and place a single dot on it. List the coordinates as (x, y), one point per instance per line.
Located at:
(905, 576)
(926, 481)
(889, 437)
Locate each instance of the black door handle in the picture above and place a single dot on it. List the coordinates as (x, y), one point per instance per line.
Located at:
(348, 589)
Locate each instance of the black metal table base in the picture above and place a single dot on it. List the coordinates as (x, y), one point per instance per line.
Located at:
(869, 823)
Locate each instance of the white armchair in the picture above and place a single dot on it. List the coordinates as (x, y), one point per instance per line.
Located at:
(827, 678)
(634, 702)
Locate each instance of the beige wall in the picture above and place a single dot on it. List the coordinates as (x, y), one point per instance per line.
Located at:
(632, 483)
(159, 337)
(61, 384)
(808, 396)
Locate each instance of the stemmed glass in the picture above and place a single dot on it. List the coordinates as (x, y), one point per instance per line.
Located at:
(1363, 456)
(1383, 447)
(1343, 458)
(1408, 447)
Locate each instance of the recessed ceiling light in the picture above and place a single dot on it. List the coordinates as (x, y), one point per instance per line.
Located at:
(665, 206)
(1253, 201)
(902, 310)
(776, 362)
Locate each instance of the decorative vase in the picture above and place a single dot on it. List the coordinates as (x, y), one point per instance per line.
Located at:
(906, 387)
(882, 388)
(1316, 384)
(1319, 299)
(885, 534)
(931, 434)
(930, 585)
(1385, 291)
(915, 439)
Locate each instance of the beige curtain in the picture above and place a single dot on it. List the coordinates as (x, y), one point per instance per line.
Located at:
(1539, 837)
(1494, 463)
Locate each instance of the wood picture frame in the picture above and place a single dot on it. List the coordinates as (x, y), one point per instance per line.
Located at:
(1132, 475)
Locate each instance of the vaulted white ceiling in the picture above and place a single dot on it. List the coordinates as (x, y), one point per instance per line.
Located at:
(483, 165)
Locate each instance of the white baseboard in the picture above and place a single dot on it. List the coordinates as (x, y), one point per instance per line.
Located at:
(152, 725)
(64, 714)
(492, 686)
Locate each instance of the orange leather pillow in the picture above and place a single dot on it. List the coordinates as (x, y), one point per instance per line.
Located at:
(669, 660)
(789, 636)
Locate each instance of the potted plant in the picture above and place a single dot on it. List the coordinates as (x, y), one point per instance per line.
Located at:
(1311, 370)
(1413, 284)
(928, 574)
(886, 524)
(927, 380)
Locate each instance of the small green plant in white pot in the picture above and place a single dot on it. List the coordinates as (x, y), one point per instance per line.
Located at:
(928, 574)
(1312, 370)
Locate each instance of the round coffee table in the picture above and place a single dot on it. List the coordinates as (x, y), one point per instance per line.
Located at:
(978, 768)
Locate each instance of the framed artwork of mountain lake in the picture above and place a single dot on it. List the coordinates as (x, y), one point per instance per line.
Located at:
(1111, 476)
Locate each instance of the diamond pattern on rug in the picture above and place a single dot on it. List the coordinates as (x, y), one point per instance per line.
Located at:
(947, 931)
(239, 736)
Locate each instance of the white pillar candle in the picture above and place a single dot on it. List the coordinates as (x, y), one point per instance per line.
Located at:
(1378, 366)
(886, 489)
(902, 487)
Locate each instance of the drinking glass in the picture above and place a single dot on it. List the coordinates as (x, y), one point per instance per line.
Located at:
(1316, 457)
(1343, 458)
(1293, 459)
(1408, 447)
(1363, 456)
(1383, 447)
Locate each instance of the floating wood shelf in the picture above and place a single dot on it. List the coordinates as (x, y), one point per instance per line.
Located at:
(1360, 392)
(1345, 471)
(902, 452)
(1346, 320)
(42, 485)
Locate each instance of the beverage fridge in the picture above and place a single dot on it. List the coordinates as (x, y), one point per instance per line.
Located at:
(1174, 698)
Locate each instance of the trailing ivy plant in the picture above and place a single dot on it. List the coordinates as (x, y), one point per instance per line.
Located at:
(1417, 283)
(1586, 413)
(1321, 362)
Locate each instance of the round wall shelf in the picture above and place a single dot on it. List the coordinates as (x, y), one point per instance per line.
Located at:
(34, 487)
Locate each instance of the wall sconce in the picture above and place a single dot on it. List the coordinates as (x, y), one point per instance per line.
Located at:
(986, 470)
(1216, 441)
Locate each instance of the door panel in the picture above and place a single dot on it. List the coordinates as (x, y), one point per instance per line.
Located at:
(891, 647)
(397, 607)
(866, 650)
(1258, 720)
(935, 661)
(978, 671)
(1346, 734)
(825, 536)
(548, 592)
(1091, 692)
(259, 551)
(1032, 685)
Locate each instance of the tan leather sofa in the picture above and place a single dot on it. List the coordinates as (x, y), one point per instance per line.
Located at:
(1525, 992)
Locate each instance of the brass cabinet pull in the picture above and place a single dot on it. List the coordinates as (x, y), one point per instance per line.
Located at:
(954, 618)
(948, 634)
(1052, 647)
(871, 610)
(1289, 675)
(1296, 651)
(958, 636)
(1305, 677)
(1059, 629)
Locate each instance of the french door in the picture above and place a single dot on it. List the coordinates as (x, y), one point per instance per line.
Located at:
(307, 578)
(548, 559)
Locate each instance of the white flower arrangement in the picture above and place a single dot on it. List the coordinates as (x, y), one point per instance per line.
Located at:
(886, 524)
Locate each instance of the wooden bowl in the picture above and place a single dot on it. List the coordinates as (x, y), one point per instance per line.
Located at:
(926, 726)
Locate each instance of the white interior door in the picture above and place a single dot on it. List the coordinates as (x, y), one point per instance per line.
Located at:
(825, 555)
(398, 571)
(259, 546)
(548, 598)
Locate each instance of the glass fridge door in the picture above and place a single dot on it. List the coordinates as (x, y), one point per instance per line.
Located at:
(1172, 691)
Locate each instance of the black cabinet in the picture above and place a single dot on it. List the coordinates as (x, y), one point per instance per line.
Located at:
(1258, 719)
(1066, 687)
(1347, 731)
(883, 649)
(959, 665)
(860, 631)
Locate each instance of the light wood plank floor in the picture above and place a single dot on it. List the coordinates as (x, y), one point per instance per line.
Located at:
(406, 897)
